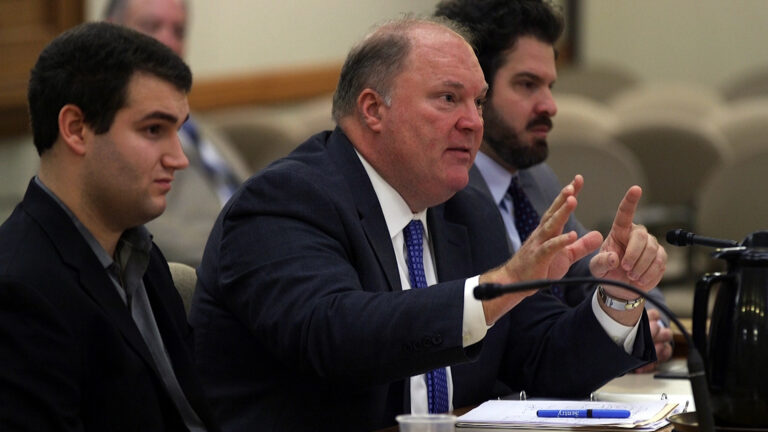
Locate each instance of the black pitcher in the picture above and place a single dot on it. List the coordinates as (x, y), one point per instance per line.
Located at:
(736, 354)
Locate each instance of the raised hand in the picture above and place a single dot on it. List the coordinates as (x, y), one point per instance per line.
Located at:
(548, 252)
(629, 253)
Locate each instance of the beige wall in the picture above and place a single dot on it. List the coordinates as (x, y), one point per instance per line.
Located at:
(239, 36)
(705, 41)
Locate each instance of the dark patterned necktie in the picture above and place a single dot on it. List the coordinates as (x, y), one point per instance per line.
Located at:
(526, 220)
(526, 217)
(437, 381)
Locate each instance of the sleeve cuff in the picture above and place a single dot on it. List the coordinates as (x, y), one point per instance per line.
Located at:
(622, 335)
(473, 327)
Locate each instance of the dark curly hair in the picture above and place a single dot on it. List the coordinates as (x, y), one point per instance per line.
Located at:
(90, 66)
(496, 25)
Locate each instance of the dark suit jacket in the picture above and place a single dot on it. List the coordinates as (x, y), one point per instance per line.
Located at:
(301, 324)
(71, 357)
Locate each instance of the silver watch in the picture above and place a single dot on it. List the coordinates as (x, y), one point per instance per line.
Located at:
(618, 304)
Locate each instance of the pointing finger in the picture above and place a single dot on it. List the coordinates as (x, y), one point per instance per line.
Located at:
(622, 223)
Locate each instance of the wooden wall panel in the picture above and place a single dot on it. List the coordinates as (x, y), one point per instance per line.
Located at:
(26, 26)
(265, 87)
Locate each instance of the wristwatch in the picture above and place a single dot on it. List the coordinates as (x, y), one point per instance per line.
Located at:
(618, 304)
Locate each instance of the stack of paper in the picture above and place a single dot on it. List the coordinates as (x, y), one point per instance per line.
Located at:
(510, 414)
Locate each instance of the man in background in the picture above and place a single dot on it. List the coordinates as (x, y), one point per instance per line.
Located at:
(215, 169)
(93, 335)
(336, 287)
(515, 42)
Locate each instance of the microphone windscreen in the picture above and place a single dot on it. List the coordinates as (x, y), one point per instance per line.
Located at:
(679, 237)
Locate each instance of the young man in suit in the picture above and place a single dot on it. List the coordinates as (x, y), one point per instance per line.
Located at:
(336, 287)
(93, 335)
(515, 47)
(215, 169)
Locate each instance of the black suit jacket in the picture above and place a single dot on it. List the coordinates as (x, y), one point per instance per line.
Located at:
(71, 357)
(301, 324)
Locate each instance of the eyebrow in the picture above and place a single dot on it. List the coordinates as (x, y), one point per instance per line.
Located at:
(529, 75)
(160, 115)
(459, 86)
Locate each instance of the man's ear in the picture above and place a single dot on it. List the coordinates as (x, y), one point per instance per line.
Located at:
(372, 108)
(72, 128)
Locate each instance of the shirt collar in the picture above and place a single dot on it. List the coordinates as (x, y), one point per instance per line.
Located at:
(397, 214)
(138, 239)
(496, 177)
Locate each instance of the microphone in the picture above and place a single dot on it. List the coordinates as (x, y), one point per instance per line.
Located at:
(696, 372)
(680, 237)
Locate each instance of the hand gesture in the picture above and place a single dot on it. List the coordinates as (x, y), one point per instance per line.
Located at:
(629, 253)
(548, 252)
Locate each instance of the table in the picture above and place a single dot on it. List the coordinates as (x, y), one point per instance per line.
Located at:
(627, 388)
(637, 387)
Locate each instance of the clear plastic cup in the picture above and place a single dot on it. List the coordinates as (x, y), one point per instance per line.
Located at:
(426, 422)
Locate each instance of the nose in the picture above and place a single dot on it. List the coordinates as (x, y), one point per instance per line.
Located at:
(175, 158)
(471, 118)
(546, 104)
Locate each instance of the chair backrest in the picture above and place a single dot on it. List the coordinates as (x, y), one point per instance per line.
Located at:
(752, 83)
(744, 124)
(608, 170)
(185, 279)
(677, 98)
(732, 203)
(599, 82)
(264, 134)
(581, 119)
(18, 163)
(677, 153)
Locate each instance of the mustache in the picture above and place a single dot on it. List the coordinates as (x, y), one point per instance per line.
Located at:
(540, 121)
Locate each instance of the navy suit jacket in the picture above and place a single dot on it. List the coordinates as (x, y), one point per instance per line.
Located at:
(301, 324)
(71, 357)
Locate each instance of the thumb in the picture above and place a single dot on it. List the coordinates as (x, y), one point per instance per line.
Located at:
(603, 262)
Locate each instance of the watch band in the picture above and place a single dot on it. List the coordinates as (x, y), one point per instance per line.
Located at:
(618, 304)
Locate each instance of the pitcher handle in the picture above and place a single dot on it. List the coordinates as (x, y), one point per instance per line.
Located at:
(700, 309)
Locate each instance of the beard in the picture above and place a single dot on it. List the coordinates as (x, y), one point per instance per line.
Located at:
(506, 143)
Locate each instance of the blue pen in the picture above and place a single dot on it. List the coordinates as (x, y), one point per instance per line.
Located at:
(584, 413)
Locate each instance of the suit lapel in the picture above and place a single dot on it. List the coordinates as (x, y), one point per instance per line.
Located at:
(156, 280)
(342, 153)
(450, 245)
(478, 183)
(76, 254)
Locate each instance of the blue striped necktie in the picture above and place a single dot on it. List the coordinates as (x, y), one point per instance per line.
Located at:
(216, 168)
(437, 381)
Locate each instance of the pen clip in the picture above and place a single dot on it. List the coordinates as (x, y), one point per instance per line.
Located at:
(523, 396)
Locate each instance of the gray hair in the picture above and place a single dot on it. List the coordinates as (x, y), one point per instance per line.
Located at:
(375, 61)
